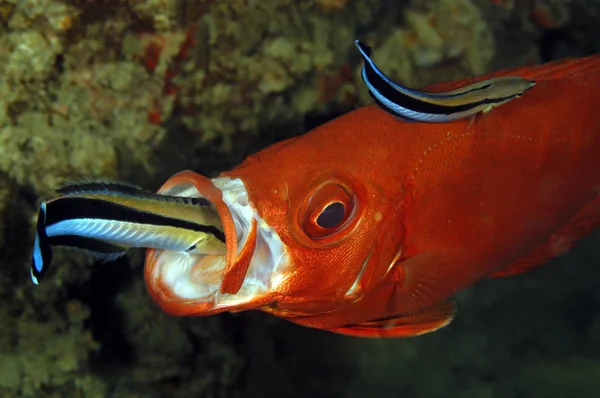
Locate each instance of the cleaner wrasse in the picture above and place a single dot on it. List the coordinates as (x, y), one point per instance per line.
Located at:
(107, 219)
(438, 107)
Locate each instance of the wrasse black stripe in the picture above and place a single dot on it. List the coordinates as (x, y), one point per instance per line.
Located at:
(417, 105)
(484, 87)
(115, 189)
(385, 108)
(69, 208)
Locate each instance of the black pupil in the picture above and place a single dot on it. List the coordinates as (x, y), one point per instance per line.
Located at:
(331, 216)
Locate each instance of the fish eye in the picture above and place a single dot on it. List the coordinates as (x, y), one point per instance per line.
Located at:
(331, 216)
(327, 212)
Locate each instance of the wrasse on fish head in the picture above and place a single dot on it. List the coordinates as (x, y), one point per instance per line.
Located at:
(442, 106)
(107, 219)
(368, 225)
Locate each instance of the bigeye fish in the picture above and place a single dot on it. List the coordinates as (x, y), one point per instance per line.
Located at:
(107, 219)
(368, 225)
(440, 107)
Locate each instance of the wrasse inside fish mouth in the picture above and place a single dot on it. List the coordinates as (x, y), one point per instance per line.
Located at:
(368, 225)
(440, 107)
(107, 219)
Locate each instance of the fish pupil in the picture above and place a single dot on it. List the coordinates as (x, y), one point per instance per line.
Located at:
(332, 215)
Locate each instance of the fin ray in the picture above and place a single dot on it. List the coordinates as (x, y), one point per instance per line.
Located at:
(425, 321)
(42, 250)
(586, 221)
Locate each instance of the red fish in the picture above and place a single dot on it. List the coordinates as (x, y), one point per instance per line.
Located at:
(368, 225)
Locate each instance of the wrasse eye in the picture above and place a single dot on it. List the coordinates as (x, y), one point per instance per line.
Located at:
(327, 212)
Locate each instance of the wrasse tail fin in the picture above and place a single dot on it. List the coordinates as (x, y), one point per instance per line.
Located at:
(425, 321)
(42, 251)
(586, 221)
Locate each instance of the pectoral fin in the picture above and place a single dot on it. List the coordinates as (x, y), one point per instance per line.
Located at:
(586, 221)
(425, 321)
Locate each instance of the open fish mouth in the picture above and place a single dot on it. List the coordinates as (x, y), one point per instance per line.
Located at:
(202, 282)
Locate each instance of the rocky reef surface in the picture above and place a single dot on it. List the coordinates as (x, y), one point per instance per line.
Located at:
(136, 90)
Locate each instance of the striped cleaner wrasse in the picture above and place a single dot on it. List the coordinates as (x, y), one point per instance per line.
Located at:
(107, 219)
(438, 107)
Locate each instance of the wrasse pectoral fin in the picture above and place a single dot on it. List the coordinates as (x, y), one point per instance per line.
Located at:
(438, 107)
(424, 321)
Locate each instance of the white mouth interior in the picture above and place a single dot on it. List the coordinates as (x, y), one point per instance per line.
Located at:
(196, 276)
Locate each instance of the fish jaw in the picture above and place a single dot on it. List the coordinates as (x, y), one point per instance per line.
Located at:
(245, 277)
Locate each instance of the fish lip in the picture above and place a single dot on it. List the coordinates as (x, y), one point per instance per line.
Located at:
(238, 217)
(251, 263)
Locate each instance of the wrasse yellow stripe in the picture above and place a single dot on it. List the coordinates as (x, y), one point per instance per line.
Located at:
(439, 107)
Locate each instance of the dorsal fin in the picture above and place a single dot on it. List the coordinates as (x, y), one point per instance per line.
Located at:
(111, 188)
(575, 70)
(99, 186)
